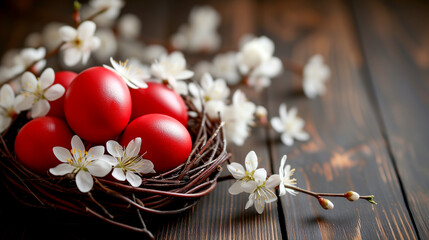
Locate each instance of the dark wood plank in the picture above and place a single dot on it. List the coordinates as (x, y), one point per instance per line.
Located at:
(395, 41)
(347, 150)
(221, 215)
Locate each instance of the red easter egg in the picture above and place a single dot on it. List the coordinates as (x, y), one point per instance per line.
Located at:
(157, 98)
(98, 105)
(36, 139)
(65, 78)
(165, 141)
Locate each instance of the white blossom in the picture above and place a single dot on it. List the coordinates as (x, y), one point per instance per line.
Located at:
(7, 106)
(225, 66)
(260, 77)
(289, 125)
(133, 76)
(128, 164)
(254, 53)
(37, 92)
(113, 7)
(262, 193)
(245, 178)
(286, 173)
(84, 164)
(79, 42)
(238, 117)
(108, 45)
(315, 75)
(171, 68)
(153, 52)
(129, 26)
(28, 56)
(200, 33)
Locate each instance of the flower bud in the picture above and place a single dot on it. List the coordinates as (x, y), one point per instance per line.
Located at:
(351, 196)
(261, 115)
(325, 203)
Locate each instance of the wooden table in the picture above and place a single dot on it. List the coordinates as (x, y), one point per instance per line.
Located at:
(369, 132)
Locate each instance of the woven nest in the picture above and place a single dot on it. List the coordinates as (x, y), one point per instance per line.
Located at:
(171, 192)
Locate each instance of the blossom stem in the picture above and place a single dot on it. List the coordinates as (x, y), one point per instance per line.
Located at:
(90, 18)
(369, 198)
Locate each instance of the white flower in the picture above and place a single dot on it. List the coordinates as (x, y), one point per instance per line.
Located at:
(37, 92)
(108, 45)
(285, 173)
(204, 17)
(246, 178)
(289, 125)
(113, 7)
(315, 74)
(153, 52)
(84, 164)
(132, 75)
(254, 53)
(7, 107)
(261, 76)
(129, 26)
(128, 164)
(238, 117)
(171, 68)
(225, 66)
(28, 56)
(79, 42)
(262, 193)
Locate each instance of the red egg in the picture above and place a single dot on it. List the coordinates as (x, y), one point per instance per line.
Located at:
(158, 98)
(98, 105)
(35, 141)
(165, 141)
(64, 78)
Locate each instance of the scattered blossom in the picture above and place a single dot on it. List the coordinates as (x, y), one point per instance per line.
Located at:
(289, 125)
(238, 117)
(129, 26)
(286, 173)
(79, 42)
(84, 164)
(171, 68)
(225, 66)
(113, 9)
(28, 56)
(128, 164)
(37, 92)
(108, 45)
(7, 106)
(133, 76)
(315, 74)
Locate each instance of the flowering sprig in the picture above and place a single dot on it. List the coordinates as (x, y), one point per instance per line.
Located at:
(255, 182)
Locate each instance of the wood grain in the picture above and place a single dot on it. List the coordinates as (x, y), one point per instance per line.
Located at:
(347, 150)
(395, 41)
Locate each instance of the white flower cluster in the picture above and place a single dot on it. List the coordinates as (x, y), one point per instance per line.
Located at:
(200, 34)
(127, 165)
(253, 180)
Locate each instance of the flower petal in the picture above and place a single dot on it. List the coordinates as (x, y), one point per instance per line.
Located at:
(114, 148)
(40, 108)
(99, 168)
(77, 146)
(61, 169)
(84, 181)
(86, 30)
(251, 161)
(259, 205)
(283, 111)
(185, 74)
(287, 139)
(119, 174)
(134, 179)
(47, 78)
(282, 190)
(250, 201)
(62, 154)
(146, 166)
(24, 102)
(249, 187)
(236, 170)
(7, 96)
(29, 82)
(107, 158)
(133, 148)
(235, 188)
(67, 33)
(55, 92)
(260, 175)
(277, 124)
(72, 56)
(95, 152)
(302, 136)
(273, 181)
